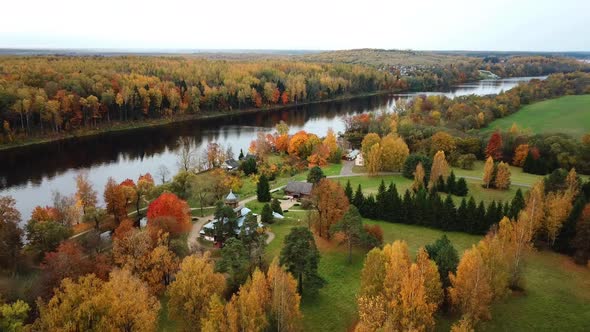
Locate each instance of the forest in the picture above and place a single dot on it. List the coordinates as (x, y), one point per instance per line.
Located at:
(52, 96)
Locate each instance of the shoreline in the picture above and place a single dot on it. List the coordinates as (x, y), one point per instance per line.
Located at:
(151, 123)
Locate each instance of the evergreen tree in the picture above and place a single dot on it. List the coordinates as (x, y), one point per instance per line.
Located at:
(449, 216)
(563, 242)
(420, 207)
(490, 217)
(263, 189)
(461, 188)
(266, 215)
(348, 191)
(315, 175)
(452, 184)
(276, 206)
(241, 155)
(471, 221)
(359, 200)
(461, 216)
(234, 261)
(301, 258)
(370, 207)
(480, 218)
(517, 204)
(394, 206)
(440, 185)
(407, 216)
(249, 166)
(381, 200)
(581, 241)
(446, 258)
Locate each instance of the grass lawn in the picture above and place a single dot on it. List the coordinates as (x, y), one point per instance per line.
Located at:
(557, 294)
(568, 115)
(516, 173)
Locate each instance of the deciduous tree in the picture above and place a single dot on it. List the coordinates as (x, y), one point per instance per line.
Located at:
(494, 147)
(488, 172)
(192, 289)
(114, 199)
(440, 167)
(331, 204)
(284, 299)
(502, 179)
(174, 211)
(85, 193)
(10, 232)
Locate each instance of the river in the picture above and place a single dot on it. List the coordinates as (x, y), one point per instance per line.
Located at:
(31, 174)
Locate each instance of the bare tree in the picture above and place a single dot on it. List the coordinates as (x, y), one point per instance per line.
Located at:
(163, 173)
(186, 155)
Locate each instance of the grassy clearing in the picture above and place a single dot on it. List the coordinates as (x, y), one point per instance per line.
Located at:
(556, 298)
(516, 174)
(567, 115)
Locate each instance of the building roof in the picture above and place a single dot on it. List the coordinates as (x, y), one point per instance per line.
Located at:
(231, 197)
(232, 163)
(239, 221)
(299, 187)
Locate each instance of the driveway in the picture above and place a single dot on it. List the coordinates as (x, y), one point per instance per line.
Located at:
(347, 168)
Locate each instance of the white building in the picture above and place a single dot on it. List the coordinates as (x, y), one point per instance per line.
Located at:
(359, 161)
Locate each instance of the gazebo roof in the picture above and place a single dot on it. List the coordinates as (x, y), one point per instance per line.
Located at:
(231, 197)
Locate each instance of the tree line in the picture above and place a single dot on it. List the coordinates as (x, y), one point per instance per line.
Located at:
(47, 94)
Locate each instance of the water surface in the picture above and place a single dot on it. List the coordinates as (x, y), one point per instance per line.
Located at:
(31, 174)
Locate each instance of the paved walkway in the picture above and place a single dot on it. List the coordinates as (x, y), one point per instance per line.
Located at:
(346, 169)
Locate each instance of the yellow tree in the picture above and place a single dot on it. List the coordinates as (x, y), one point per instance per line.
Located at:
(440, 167)
(368, 141)
(284, 299)
(418, 177)
(191, 291)
(252, 303)
(470, 291)
(394, 152)
(502, 180)
(558, 206)
(442, 141)
(72, 307)
(535, 206)
(373, 160)
(431, 278)
(415, 312)
(215, 320)
(331, 143)
(494, 253)
(488, 172)
(130, 305)
(371, 301)
(161, 265)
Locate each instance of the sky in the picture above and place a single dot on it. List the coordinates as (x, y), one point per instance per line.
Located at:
(496, 25)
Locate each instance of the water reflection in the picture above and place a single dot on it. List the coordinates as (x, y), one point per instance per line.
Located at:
(31, 174)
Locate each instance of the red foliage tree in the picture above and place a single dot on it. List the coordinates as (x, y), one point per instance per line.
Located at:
(494, 148)
(47, 213)
(170, 214)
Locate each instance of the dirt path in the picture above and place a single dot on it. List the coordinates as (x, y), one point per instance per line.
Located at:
(346, 169)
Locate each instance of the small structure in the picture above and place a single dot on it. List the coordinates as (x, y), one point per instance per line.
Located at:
(298, 189)
(230, 165)
(242, 213)
(359, 161)
(231, 200)
(352, 155)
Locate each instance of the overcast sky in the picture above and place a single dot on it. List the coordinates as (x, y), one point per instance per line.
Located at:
(516, 25)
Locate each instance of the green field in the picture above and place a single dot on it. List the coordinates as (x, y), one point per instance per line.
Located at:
(568, 115)
(557, 295)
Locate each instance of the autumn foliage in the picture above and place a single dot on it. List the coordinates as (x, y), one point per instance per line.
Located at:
(169, 214)
(494, 147)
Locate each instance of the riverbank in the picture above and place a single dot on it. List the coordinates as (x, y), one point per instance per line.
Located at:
(115, 127)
